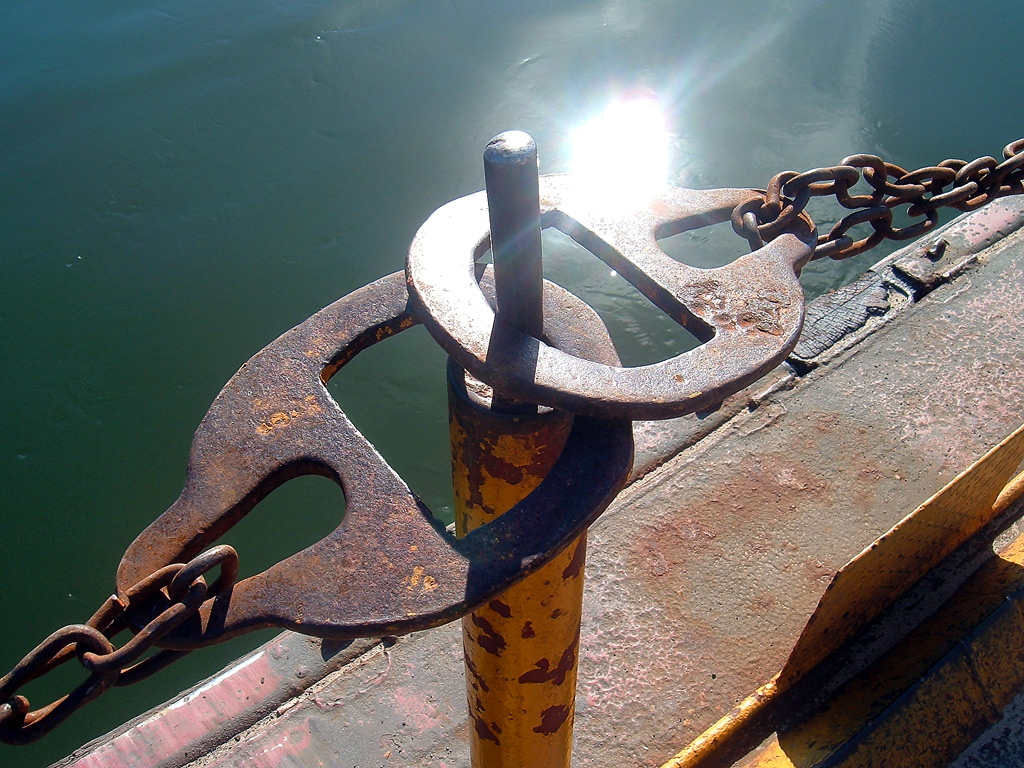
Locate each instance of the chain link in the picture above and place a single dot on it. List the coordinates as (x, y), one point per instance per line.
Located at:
(957, 184)
(173, 593)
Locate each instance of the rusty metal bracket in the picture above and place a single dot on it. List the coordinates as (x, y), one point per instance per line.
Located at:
(749, 313)
(389, 567)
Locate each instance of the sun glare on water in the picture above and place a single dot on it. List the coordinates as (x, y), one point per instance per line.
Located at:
(622, 155)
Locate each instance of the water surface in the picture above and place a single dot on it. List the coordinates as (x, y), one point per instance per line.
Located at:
(183, 181)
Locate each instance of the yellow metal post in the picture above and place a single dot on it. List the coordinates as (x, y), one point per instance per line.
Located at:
(521, 648)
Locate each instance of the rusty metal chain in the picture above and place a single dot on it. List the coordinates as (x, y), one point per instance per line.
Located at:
(957, 184)
(340, 587)
(170, 596)
(162, 602)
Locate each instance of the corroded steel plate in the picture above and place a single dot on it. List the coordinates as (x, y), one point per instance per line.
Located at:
(748, 313)
(389, 567)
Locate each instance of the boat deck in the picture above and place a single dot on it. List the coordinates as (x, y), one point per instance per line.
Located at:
(704, 572)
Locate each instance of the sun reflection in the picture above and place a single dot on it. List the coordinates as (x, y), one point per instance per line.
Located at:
(622, 155)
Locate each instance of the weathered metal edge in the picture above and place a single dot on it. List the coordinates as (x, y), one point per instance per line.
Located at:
(838, 321)
(742, 734)
(842, 318)
(172, 735)
(656, 443)
(971, 629)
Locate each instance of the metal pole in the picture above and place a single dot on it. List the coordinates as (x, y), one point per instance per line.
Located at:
(513, 205)
(512, 180)
(521, 649)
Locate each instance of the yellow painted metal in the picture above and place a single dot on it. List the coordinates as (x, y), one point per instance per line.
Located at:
(521, 648)
(898, 559)
(859, 591)
(923, 702)
(716, 741)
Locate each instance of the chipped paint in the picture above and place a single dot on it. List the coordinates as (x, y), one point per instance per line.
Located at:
(188, 721)
(553, 718)
(521, 647)
(542, 671)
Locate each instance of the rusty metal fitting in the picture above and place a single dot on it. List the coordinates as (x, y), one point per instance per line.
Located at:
(276, 420)
(521, 647)
(749, 313)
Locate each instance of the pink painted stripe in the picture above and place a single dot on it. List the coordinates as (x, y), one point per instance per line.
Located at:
(188, 720)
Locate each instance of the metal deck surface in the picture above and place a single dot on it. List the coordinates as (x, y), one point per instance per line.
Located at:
(702, 574)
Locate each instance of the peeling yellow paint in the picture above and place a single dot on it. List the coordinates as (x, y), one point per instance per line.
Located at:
(420, 577)
(417, 574)
(521, 648)
(280, 419)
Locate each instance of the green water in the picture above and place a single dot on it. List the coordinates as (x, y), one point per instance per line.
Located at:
(181, 182)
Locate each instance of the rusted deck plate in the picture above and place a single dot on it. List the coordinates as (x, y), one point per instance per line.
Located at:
(706, 572)
(702, 575)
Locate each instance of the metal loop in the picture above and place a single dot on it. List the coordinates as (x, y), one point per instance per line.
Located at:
(866, 215)
(773, 198)
(21, 725)
(224, 556)
(168, 619)
(911, 230)
(745, 222)
(858, 247)
(1013, 148)
(832, 249)
(881, 182)
(865, 161)
(998, 174)
(952, 198)
(823, 181)
(859, 201)
(934, 178)
(187, 591)
(975, 202)
(108, 619)
(787, 216)
(976, 170)
(151, 584)
(750, 225)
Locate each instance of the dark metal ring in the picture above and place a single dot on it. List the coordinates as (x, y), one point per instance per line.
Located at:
(749, 313)
(224, 556)
(180, 610)
(389, 567)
